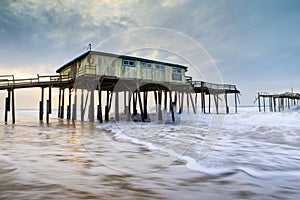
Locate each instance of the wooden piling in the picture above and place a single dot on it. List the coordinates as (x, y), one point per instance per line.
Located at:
(159, 105)
(50, 99)
(69, 106)
(99, 108)
(235, 102)
(258, 101)
(106, 117)
(81, 106)
(7, 107)
(117, 106)
(181, 103)
(274, 104)
(216, 98)
(165, 100)
(145, 105)
(270, 104)
(209, 103)
(141, 105)
(59, 103)
(13, 106)
(42, 105)
(74, 113)
(47, 111)
(62, 109)
(156, 102)
(128, 107)
(192, 102)
(187, 102)
(171, 106)
(264, 102)
(92, 106)
(226, 103)
(134, 103)
(203, 101)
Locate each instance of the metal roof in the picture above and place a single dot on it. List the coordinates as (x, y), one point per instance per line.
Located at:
(118, 56)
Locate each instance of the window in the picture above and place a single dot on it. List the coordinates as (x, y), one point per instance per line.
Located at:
(159, 67)
(128, 63)
(176, 74)
(147, 65)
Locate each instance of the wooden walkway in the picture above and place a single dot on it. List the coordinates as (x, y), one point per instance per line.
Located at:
(132, 89)
(277, 101)
(8, 82)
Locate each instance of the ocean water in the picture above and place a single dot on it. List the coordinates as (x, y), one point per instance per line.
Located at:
(249, 155)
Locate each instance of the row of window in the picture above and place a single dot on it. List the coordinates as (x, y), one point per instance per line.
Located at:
(176, 72)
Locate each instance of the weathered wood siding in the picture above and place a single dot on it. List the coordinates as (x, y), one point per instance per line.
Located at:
(104, 65)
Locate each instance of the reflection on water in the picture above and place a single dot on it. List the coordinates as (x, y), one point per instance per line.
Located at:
(255, 158)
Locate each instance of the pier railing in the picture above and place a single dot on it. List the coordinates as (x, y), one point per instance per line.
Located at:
(7, 81)
(214, 86)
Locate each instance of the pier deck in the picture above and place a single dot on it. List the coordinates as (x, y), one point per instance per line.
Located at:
(277, 101)
(173, 93)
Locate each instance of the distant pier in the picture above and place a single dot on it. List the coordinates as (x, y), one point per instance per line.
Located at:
(115, 76)
(276, 102)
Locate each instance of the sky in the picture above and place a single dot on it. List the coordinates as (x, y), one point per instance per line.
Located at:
(253, 44)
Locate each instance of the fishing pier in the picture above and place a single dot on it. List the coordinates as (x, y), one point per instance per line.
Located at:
(277, 101)
(97, 76)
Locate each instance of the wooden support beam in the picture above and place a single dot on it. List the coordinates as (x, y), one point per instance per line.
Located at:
(209, 103)
(47, 111)
(187, 102)
(203, 100)
(270, 104)
(13, 113)
(69, 106)
(181, 103)
(81, 105)
(264, 102)
(128, 107)
(62, 109)
(141, 105)
(159, 105)
(202, 96)
(99, 108)
(134, 103)
(145, 105)
(274, 104)
(74, 111)
(175, 99)
(59, 103)
(235, 102)
(106, 117)
(258, 101)
(226, 103)
(216, 98)
(171, 106)
(196, 100)
(192, 102)
(42, 105)
(165, 99)
(92, 106)
(117, 118)
(7, 106)
(50, 99)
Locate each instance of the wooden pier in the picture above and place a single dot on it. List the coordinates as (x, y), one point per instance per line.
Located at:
(94, 76)
(135, 93)
(276, 101)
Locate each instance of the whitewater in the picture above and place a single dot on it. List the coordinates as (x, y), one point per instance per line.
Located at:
(249, 155)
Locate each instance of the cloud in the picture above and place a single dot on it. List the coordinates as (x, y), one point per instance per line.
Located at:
(248, 39)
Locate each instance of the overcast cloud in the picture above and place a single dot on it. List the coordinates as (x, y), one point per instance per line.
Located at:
(255, 44)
